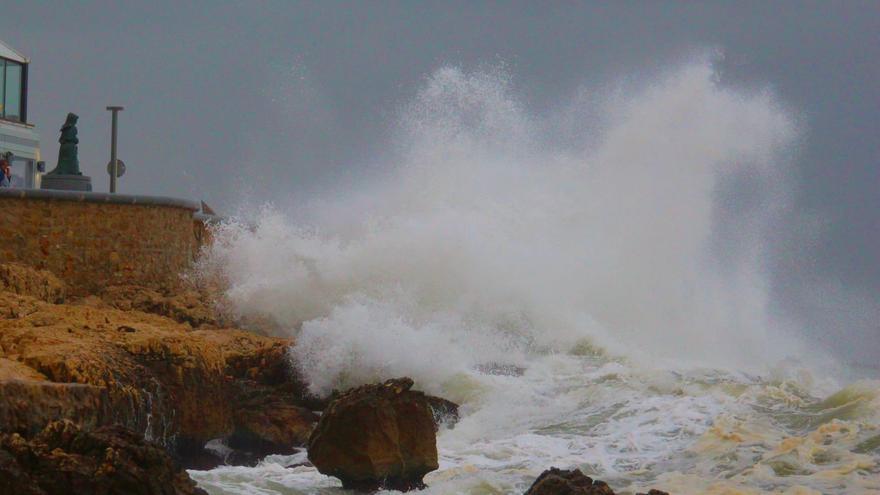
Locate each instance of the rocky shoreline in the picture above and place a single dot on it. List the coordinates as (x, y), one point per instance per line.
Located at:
(119, 392)
(160, 364)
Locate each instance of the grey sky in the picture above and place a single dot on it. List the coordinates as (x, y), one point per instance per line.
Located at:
(292, 94)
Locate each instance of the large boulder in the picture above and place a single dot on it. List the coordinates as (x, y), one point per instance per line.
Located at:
(110, 460)
(376, 437)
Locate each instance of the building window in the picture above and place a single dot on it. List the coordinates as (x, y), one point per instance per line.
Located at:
(11, 77)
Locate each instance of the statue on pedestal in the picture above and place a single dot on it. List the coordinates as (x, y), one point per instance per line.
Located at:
(66, 175)
(68, 160)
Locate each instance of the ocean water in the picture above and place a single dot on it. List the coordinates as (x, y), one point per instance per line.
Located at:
(587, 282)
(688, 433)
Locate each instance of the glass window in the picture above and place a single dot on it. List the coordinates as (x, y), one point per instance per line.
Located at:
(2, 84)
(12, 97)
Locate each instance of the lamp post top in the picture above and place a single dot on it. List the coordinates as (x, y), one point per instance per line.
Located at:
(115, 108)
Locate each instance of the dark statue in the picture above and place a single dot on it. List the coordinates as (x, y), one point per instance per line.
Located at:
(66, 176)
(68, 161)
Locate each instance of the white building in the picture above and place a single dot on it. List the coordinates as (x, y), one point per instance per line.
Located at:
(18, 139)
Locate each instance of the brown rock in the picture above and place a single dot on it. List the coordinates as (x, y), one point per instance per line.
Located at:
(281, 426)
(556, 481)
(26, 281)
(182, 305)
(64, 459)
(567, 482)
(14, 370)
(376, 437)
(28, 405)
(253, 357)
(196, 303)
(98, 365)
(268, 422)
(171, 380)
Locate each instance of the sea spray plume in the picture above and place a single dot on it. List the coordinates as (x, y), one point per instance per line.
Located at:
(487, 242)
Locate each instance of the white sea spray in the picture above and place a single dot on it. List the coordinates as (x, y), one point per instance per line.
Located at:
(585, 254)
(486, 239)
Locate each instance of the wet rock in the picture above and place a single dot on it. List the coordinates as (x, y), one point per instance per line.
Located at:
(445, 412)
(376, 437)
(556, 481)
(268, 422)
(26, 406)
(202, 458)
(567, 482)
(110, 460)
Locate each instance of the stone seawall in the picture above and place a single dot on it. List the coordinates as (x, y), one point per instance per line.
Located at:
(95, 240)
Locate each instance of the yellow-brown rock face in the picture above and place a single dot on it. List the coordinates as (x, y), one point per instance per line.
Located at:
(96, 364)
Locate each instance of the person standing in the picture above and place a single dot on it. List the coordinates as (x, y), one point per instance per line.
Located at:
(5, 173)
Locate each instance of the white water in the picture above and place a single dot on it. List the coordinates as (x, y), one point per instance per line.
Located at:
(582, 246)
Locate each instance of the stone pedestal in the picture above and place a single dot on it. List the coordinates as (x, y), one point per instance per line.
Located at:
(64, 182)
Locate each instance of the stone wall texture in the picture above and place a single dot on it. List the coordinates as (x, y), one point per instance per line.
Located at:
(92, 245)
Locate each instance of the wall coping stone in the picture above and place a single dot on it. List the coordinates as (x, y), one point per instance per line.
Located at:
(99, 197)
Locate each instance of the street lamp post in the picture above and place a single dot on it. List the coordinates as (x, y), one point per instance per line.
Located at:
(114, 169)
